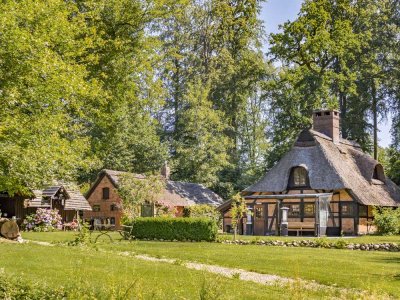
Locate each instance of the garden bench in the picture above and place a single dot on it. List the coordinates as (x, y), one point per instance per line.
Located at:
(126, 232)
(301, 226)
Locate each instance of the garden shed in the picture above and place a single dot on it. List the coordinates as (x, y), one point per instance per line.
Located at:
(67, 199)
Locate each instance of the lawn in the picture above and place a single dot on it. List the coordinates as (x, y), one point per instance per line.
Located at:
(101, 273)
(374, 271)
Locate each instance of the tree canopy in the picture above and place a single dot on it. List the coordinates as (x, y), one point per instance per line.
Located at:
(127, 84)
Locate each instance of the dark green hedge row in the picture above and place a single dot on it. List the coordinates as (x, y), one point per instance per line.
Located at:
(198, 229)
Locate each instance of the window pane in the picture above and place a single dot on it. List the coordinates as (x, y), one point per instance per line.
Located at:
(363, 211)
(259, 212)
(309, 209)
(294, 210)
(347, 209)
(106, 193)
(300, 176)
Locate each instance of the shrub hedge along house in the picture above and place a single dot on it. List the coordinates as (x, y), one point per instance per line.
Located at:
(68, 200)
(106, 203)
(319, 164)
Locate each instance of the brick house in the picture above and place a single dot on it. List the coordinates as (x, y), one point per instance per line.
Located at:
(323, 179)
(106, 203)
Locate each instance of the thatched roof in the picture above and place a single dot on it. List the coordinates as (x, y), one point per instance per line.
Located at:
(331, 166)
(74, 199)
(175, 193)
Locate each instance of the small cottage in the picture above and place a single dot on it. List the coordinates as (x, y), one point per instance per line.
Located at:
(327, 185)
(69, 201)
(106, 203)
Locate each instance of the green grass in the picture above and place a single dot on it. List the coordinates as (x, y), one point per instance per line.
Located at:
(374, 271)
(378, 272)
(77, 267)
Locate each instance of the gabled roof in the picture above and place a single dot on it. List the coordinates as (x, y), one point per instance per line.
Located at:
(74, 199)
(175, 193)
(331, 167)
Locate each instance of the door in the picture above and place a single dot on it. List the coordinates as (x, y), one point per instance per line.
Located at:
(259, 219)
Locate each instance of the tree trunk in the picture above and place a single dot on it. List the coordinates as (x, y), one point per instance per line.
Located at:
(10, 230)
(375, 119)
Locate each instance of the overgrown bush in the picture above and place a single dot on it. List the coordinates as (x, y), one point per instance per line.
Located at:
(203, 211)
(180, 229)
(387, 220)
(43, 220)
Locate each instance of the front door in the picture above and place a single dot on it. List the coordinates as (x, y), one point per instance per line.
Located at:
(259, 219)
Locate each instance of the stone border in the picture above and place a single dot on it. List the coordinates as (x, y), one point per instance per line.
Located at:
(320, 243)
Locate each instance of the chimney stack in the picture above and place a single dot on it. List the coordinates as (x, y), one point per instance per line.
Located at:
(165, 170)
(327, 122)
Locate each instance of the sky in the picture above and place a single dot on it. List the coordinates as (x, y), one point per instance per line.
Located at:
(275, 12)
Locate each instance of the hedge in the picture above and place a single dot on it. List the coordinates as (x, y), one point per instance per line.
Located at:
(181, 229)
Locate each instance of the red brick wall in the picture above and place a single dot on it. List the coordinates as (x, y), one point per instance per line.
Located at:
(96, 198)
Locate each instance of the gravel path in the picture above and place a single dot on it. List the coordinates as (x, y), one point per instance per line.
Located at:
(241, 274)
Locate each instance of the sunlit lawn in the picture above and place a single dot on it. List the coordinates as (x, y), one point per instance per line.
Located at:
(375, 271)
(93, 270)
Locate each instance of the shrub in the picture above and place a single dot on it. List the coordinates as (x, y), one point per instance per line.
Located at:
(180, 229)
(340, 244)
(203, 211)
(43, 220)
(387, 220)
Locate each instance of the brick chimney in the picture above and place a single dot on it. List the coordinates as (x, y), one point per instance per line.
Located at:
(327, 122)
(165, 170)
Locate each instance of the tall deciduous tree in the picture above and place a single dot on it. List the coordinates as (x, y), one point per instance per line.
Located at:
(345, 48)
(44, 94)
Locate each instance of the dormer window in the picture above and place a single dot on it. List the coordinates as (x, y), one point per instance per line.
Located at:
(298, 177)
(379, 173)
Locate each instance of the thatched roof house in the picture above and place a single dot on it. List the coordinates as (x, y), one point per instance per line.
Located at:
(320, 161)
(106, 203)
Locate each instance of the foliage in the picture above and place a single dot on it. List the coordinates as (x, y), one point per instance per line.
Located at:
(197, 229)
(17, 288)
(238, 209)
(203, 211)
(135, 190)
(83, 235)
(45, 94)
(43, 220)
(393, 165)
(339, 54)
(387, 220)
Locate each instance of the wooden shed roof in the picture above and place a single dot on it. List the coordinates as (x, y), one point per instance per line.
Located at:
(74, 199)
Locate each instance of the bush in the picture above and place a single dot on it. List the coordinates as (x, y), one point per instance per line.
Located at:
(387, 220)
(43, 220)
(180, 229)
(203, 211)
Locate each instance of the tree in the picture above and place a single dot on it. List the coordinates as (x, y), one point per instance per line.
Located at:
(136, 190)
(345, 49)
(238, 209)
(44, 93)
(200, 148)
